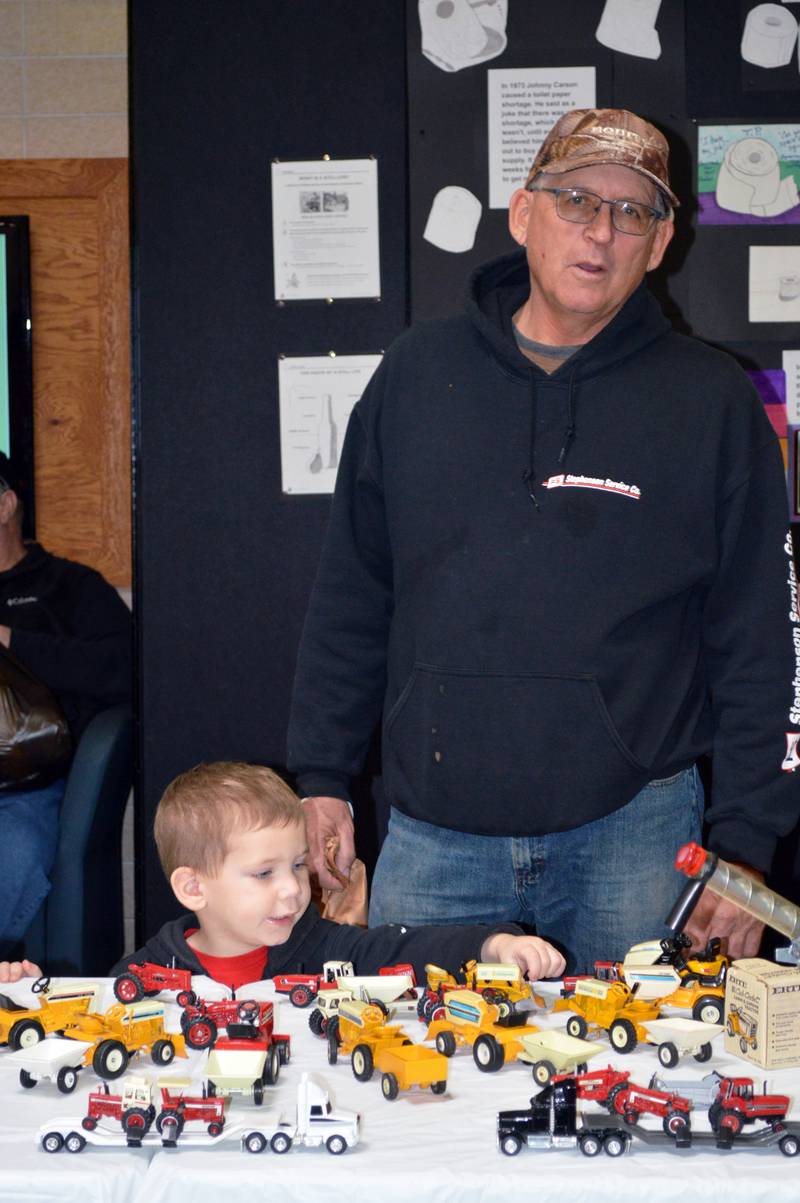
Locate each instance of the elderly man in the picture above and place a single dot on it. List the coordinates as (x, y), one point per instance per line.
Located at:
(68, 627)
(557, 564)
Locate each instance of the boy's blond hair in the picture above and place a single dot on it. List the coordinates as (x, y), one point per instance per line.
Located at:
(202, 808)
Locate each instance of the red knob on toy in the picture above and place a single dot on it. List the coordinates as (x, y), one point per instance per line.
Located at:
(690, 859)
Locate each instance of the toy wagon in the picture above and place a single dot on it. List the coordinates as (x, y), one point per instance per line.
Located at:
(55, 1059)
(407, 1065)
(676, 1038)
(556, 1052)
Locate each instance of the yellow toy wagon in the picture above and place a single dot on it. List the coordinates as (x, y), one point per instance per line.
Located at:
(408, 1065)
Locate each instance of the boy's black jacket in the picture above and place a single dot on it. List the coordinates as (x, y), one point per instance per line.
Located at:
(315, 940)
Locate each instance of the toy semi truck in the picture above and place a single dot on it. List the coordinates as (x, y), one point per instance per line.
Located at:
(314, 1122)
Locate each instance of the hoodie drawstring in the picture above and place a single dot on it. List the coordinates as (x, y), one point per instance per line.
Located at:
(569, 433)
(569, 436)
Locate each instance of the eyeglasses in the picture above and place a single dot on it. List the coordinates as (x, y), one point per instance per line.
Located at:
(581, 206)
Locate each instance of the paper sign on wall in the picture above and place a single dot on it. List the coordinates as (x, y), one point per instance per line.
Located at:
(523, 106)
(317, 394)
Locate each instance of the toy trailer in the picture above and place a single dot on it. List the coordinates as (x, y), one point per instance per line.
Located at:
(53, 1060)
(410, 1065)
(555, 1052)
(675, 1038)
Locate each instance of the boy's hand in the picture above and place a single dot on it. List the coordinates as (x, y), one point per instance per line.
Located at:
(12, 971)
(535, 957)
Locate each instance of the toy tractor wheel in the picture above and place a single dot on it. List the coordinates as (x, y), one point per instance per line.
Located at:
(53, 1142)
(729, 1028)
(74, 1142)
(708, 1009)
(301, 996)
(630, 1115)
(362, 1062)
(336, 1144)
(668, 1054)
(170, 1126)
(730, 1124)
(703, 1053)
(89, 1123)
(317, 1022)
(135, 1122)
(280, 1143)
(41, 985)
(255, 1142)
(743, 1045)
(26, 1080)
(438, 1087)
(333, 1040)
(110, 1059)
(25, 1034)
(215, 1128)
(510, 1144)
(67, 1079)
(675, 1124)
(622, 1035)
(422, 1008)
(258, 1092)
(390, 1086)
(589, 1144)
(162, 1052)
(789, 1145)
(445, 1043)
(543, 1072)
(272, 1066)
(201, 1033)
(488, 1054)
(381, 1005)
(577, 1027)
(128, 988)
(186, 998)
(615, 1144)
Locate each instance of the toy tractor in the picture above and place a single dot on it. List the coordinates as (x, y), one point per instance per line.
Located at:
(611, 1007)
(738, 1024)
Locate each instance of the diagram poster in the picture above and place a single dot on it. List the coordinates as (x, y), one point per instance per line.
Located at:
(524, 103)
(748, 174)
(325, 229)
(317, 394)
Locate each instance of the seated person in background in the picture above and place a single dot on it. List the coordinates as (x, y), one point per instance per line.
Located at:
(72, 630)
(232, 841)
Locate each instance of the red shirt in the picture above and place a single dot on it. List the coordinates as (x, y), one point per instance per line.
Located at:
(233, 971)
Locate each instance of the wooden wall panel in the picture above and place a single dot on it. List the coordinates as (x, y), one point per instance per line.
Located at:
(78, 210)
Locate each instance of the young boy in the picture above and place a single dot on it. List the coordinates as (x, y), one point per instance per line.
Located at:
(232, 842)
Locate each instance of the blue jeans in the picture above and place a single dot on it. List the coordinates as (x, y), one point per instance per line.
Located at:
(28, 842)
(593, 891)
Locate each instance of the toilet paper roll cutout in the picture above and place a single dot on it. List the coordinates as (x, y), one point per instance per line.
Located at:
(770, 35)
(462, 33)
(629, 27)
(453, 219)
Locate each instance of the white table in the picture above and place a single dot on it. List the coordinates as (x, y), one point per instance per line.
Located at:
(419, 1147)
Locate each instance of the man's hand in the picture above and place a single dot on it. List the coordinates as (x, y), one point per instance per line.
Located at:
(326, 817)
(5, 639)
(535, 957)
(715, 916)
(13, 971)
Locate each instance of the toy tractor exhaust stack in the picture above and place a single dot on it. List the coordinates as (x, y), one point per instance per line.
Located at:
(706, 869)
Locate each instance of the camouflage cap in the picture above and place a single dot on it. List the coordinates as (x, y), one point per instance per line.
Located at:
(589, 137)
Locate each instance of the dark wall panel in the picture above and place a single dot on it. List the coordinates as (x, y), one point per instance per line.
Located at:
(224, 562)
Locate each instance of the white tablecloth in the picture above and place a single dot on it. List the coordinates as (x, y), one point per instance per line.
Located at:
(418, 1147)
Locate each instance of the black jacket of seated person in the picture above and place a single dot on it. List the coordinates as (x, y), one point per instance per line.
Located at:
(315, 940)
(71, 629)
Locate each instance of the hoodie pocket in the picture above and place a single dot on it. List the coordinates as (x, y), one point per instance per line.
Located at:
(523, 753)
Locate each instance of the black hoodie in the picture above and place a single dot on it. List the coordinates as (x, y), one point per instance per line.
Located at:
(555, 588)
(314, 941)
(71, 629)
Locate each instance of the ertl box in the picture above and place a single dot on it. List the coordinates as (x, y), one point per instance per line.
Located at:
(762, 1012)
